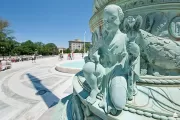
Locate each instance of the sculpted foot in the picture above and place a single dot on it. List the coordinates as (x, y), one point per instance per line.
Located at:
(130, 97)
(92, 98)
(130, 93)
(113, 111)
(104, 106)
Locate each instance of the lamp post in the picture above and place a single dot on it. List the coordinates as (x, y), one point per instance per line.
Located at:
(84, 41)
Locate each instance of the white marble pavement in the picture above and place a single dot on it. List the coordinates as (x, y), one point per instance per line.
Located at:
(28, 90)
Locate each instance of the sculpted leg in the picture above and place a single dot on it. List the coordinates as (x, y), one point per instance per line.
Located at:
(103, 104)
(135, 91)
(89, 73)
(118, 92)
(130, 85)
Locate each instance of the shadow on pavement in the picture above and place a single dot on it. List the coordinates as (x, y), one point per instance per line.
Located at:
(57, 106)
(49, 98)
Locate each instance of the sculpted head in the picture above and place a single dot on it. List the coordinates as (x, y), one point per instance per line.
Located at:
(113, 16)
(131, 21)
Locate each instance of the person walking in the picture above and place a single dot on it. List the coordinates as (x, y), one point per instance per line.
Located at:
(70, 55)
(21, 58)
(73, 55)
(60, 56)
(34, 58)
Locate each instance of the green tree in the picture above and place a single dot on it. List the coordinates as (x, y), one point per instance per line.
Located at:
(7, 42)
(76, 51)
(39, 47)
(9, 46)
(82, 50)
(4, 32)
(28, 47)
(3, 24)
(67, 50)
(17, 51)
(51, 49)
(87, 46)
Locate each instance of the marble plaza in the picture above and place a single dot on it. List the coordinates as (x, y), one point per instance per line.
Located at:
(28, 90)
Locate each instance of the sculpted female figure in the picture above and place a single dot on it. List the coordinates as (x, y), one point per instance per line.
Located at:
(112, 68)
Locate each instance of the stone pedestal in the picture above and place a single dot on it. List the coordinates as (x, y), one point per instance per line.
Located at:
(154, 100)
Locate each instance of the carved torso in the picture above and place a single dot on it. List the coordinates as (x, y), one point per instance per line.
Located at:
(114, 51)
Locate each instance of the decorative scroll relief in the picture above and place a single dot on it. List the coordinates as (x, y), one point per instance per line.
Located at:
(129, 5)
(139, 3)
(157, 23)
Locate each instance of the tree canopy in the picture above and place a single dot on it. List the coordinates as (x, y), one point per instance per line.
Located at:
(9, 46)
(76, 51)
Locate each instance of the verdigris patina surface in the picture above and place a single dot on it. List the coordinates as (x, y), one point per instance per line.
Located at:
(106, 87)
(162, 55)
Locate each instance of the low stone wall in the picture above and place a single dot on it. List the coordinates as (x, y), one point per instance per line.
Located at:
(59, 67)
(67, 70)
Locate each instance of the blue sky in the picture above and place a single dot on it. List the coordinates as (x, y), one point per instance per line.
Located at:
(56, 21)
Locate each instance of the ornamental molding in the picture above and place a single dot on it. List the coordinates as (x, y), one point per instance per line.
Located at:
(140, 3)
(128, 4)
(136, 7)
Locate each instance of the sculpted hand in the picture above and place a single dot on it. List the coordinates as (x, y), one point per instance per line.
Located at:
(133, 49)
(96, 46)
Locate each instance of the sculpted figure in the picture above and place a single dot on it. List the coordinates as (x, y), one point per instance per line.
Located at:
(93, 70)
(161, 54)
(111, 70)
(114, 58)
(157, 24)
